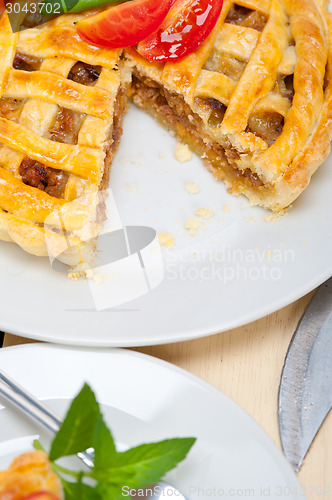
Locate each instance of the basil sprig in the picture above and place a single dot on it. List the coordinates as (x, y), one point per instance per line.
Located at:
(138, 467)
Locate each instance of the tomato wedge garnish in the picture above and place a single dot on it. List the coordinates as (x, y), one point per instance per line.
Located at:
(2, 8)
(125, 24)
(186, 26)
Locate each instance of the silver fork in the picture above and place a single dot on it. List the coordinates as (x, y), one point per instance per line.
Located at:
(26, 404)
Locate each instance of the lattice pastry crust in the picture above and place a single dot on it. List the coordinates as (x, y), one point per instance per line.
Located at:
(61, 106)
(254, 100)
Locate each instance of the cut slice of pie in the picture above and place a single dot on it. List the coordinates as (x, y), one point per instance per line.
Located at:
(61, 107)
(254, 100)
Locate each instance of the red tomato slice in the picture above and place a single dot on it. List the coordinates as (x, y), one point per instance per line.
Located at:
(125, 24)
(2, 8)
(186, 26)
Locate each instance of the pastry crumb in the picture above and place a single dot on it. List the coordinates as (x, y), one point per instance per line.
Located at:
(161, 155)
(74, 275)
(268, 253)
(204, 213)
(250, 220)
(192, 225)
(244, 204)
(182, 152)
(275, 216)
(92, 274)
(192, 188)
(166, 239)
(132, 189)
(226, 208)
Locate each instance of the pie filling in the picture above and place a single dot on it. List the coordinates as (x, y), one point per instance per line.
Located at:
(266, 125)
(120, 108)
(47, 179)
(85, 74)
(175, 113)
(23, 62)
(242, 16)
(10, 108)
(66, 126)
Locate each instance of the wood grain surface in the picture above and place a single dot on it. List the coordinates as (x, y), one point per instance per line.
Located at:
(246, 364)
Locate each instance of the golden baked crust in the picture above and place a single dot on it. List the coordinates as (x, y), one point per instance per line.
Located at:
(29, 473)
(60, 123)
(258, 95)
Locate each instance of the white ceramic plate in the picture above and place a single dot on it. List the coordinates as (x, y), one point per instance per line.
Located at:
(145, 399)
(238, 268)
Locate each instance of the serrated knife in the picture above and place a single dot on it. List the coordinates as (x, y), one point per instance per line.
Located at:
(305, 392)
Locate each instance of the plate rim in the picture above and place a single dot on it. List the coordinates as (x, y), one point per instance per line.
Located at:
(180, 336)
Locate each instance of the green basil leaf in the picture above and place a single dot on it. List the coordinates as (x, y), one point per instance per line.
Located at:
(104, 447)
(81, 491)
(115, 473)
(38, 446)
(110, 492)
(143, 465)
(77, 430)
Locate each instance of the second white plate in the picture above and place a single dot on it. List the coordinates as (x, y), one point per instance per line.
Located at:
(145, 400)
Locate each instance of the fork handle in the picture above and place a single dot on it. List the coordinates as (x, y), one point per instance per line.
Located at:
(28, 405)
(34, 410)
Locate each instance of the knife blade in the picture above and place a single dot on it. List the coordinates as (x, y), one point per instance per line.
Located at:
(305, 391)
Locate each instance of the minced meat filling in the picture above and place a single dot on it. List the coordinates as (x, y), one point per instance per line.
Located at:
(66, 126)
(120, 107)
(242, 16)
(217, 114)
(175, 110)
(23, 62)
(267, 125)
(10, 108)
(85, 74)
(46, 179)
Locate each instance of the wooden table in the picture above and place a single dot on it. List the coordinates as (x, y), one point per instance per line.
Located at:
(246, 364)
